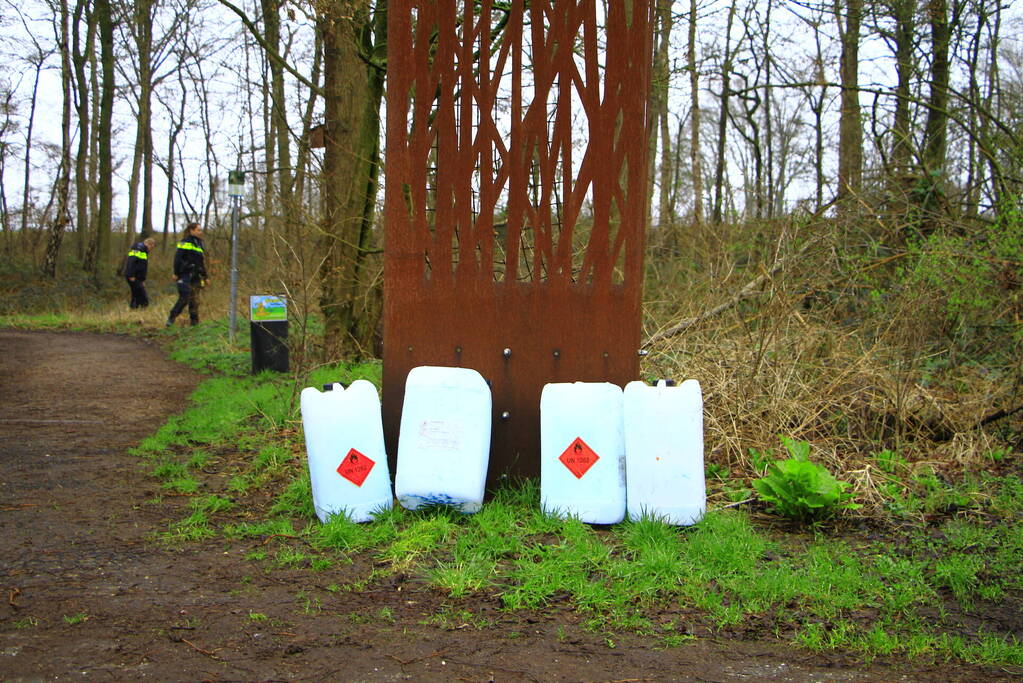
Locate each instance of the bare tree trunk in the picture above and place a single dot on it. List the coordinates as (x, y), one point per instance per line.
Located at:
(659, 116)
(694, 119)
(769, 185)
(352, 96)
(289, 216)
(61, 219)
(7, 109)
(89, 257)
(26, 197)
(751, 101)
(133, 186)
(974, 166)
(993, 98)
(817, 105)
(937, 104)
(260, 197)
(177, 124)
(279, 107)
(850, 130)
(726, 77)
(935, 129)
(905, 66)
(211, 208)
(146, 122)
(302, 162)
(83, 188)
(142, 18)
(105, 23)
(271, 199)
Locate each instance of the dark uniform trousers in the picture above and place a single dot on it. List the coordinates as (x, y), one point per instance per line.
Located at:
(188, 295)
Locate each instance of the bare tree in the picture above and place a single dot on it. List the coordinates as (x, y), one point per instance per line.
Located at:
(898, 153)
(37, 58)
(176, 112)
(695, 158)
(63, 186)
(726, 78)
(7, 127)
(99, 255)
(768, 114)
(148, 58)
(993, 97)
(80, 50)
(353, 35)
(937, 115)
(353, 92)
(848, 14)
(974, 162)
(660, 167)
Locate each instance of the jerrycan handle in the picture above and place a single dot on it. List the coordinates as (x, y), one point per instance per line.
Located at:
(664, 383)
(330, 387)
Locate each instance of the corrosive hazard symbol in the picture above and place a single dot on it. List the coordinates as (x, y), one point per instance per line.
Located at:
(578, 458)
(355, 467)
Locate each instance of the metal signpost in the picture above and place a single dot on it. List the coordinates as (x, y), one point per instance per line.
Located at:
(235, 190)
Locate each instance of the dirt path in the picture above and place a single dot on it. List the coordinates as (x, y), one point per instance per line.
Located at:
(88, 595)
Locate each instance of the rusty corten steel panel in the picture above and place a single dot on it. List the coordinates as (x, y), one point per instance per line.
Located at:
(515, 211)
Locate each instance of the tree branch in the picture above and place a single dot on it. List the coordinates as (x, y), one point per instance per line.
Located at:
(747, 291)
(272, 54)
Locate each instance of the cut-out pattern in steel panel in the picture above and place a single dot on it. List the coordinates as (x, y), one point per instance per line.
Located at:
(515, 207)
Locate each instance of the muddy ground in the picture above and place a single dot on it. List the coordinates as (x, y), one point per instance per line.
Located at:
(88, 594)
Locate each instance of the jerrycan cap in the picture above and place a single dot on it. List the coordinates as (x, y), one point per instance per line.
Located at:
(330, 387)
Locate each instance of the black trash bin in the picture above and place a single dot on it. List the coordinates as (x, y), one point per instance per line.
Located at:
(269, 345)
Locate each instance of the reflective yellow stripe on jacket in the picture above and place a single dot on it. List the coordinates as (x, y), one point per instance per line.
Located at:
(139, 255)
(189, 246)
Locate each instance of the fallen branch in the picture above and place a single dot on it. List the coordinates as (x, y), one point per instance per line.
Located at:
(750, 289)
(211, 655)
(735, 505)
(944, 433)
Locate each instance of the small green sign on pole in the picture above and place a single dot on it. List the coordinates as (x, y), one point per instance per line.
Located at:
(236, 183)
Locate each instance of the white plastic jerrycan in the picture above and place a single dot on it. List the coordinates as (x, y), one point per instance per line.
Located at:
(344, 438)
(582, 452)
(444, 439)
(664, 451)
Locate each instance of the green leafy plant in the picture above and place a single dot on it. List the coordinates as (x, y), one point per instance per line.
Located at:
(759, 459)
(800, 489)
(716, 471)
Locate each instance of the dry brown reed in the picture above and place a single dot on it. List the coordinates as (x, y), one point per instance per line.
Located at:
(806, 355)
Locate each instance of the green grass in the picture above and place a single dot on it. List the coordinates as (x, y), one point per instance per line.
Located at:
(904, 595)
(727, 569)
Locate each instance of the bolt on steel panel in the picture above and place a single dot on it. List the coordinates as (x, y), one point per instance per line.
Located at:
(516, 200)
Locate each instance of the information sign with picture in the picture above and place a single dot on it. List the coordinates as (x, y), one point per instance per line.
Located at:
(266, 307)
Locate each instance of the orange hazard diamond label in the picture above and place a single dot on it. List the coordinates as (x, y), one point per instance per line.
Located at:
(578, 458)
(355, 467)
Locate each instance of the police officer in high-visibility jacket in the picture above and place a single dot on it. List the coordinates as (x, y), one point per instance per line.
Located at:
(189, 273)
(136, 266)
